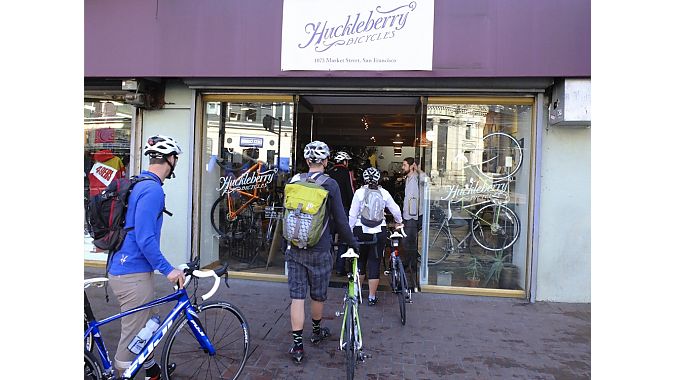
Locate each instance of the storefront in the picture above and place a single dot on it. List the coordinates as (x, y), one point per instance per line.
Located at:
(474, 120)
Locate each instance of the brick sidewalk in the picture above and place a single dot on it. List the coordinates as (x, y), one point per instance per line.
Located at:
(445, 337)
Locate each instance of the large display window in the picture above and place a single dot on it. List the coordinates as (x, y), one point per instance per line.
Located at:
(477, 156)
(246, 151)
(107, 138)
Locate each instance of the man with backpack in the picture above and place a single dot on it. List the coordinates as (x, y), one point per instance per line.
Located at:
(343, 176)
(131, 267)
(312, 203)
(367, 219)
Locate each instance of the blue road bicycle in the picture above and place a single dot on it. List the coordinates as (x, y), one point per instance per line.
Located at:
(206, 340)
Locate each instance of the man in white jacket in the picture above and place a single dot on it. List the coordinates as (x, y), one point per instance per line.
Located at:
(367, 220)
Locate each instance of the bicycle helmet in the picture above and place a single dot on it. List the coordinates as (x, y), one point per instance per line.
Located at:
(158, 146)
(316, 152)
(371, 176)
(342, 156)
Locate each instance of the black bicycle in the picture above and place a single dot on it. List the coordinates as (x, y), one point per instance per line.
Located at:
(398, 280)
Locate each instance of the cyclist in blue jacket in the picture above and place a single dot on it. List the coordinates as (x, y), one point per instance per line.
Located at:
(132, 266)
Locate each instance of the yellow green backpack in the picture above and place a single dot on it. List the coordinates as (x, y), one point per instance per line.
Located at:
(305, 216)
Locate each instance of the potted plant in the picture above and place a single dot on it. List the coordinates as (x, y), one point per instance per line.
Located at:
(498, 263)
(473, 272)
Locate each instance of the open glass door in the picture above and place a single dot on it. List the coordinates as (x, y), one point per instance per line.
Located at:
(246, 153)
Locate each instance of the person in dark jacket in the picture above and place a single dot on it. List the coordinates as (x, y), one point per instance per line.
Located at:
(311, 267)
(343, 176)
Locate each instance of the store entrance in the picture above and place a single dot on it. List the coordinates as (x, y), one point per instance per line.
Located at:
(375, 131)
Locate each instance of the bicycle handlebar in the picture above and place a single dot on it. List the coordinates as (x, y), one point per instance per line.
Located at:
(190, 270)
(395, 234)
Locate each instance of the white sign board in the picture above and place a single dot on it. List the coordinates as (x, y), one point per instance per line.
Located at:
(357, 35)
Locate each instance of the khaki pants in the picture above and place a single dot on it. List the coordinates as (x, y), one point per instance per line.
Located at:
(131, 290)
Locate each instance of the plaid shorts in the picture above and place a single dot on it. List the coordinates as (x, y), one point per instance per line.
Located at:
(309, 267)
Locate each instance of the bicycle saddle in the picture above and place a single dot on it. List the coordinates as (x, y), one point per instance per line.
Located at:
(350, 253)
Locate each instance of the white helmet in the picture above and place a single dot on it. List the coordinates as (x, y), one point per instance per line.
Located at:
(371, 176)
(159, 146)
(342, 156)
(316, 152)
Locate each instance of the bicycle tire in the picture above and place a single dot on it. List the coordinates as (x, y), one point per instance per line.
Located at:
(227, 228)
(191, 361)
(495, 233)
(403, 289)
(499, 147)
(350, 341)
(441, 241)
(92, 367)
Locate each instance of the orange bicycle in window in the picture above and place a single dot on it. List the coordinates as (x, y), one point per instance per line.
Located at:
(233, 216)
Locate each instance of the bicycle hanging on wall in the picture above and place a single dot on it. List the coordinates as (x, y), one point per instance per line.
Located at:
(490, 224)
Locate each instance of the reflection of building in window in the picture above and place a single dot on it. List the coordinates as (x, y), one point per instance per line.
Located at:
(250, 115)
(213, 108)
(457, 133)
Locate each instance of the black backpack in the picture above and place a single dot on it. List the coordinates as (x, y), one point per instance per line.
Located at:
(106, 213)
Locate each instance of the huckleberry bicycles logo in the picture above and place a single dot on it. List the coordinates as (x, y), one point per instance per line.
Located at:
(248, 181)
(473, 190)
(376, 24)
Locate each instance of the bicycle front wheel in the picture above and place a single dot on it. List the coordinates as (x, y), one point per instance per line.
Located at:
(231, 226)
(92, 368)
(495, 227)
(228, 332)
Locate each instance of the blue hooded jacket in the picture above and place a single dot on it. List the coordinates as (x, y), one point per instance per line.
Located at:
(140, 251)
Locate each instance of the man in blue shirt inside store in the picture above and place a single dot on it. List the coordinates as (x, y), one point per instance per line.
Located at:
(132, 266)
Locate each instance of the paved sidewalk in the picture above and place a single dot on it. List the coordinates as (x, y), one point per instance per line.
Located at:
(445, 337)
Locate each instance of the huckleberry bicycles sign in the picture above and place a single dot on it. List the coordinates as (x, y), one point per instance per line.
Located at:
(248, 181)
(357, 35)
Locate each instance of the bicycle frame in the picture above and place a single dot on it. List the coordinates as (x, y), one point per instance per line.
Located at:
(350, 300)
(183, 305)
(252, 197)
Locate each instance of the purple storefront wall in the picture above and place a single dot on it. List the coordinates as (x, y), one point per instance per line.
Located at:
(228, 38)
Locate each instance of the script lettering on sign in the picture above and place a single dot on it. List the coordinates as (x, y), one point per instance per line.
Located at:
(474, 190)
(248, 181)
(357, 35)
(373, 27)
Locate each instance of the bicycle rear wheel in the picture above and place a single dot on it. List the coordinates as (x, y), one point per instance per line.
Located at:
(439, 246)
(350, 340)
(496, 227)
(92, 368)
(228, 332)
(403, 290)
(502, 156)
